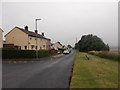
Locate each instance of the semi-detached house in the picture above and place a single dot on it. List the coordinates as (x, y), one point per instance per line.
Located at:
(26, 40)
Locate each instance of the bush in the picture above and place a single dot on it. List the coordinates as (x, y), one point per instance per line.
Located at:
(105, 54)
(15, 54)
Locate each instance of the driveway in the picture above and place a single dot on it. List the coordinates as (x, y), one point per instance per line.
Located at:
(51, 73)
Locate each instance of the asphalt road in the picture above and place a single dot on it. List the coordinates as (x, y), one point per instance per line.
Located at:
(51, 73)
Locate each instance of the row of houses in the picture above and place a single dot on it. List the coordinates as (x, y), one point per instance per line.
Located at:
(24, 39)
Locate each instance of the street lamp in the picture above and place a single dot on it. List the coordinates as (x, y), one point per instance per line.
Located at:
(36, 37)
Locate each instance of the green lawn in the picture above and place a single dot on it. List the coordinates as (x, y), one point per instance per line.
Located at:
(94, 73)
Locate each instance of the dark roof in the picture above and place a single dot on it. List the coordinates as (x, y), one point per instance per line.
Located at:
(59, 43)
(30, 33)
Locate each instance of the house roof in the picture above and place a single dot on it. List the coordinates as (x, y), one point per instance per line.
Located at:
(1, 29)
(30, 33)
(59, 43)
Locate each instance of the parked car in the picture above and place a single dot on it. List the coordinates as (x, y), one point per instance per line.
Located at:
(69, 50)
(66, 52)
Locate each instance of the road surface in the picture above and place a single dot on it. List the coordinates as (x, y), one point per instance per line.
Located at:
(51, 73)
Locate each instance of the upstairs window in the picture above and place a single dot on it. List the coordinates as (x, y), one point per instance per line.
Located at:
(30, 38)
(44, 46)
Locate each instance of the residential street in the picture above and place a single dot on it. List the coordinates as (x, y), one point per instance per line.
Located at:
(52, 73)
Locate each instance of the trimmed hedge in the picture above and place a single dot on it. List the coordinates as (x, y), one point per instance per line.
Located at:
(43, 53)
(104, 54)
(16, 54)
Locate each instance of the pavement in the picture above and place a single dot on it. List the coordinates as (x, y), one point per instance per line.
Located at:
(50, 73)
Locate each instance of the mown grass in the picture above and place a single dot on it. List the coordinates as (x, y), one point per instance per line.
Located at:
(94, 73)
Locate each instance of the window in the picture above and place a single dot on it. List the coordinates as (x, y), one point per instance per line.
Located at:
(43, 46)
(30, 38)
(25, 47)
(19, 47)
(36, 47)
(32, 47)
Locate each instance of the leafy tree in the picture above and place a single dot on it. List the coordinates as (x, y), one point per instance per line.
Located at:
(90, 42)
(69, 46)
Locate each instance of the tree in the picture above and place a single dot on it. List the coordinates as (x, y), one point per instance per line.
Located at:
(90, 42)
(69, 46)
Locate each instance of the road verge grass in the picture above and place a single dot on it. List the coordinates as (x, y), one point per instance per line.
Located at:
(94, 73)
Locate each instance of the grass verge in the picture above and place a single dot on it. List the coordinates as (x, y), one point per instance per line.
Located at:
(94, 73)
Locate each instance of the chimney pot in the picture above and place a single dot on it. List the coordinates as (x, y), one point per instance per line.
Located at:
(42, 34)
(26, 28)
(35, 31)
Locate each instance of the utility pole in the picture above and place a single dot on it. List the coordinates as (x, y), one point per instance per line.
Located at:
(36, 31)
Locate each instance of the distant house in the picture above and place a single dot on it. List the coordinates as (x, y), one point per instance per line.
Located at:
(57, 45)
(1, 38)
(26, 40)
(53, 46)
(65, 47)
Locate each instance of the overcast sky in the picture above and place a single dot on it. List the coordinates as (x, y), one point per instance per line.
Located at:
(64, 21)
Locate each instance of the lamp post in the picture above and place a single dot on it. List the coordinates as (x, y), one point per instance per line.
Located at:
(36, 37)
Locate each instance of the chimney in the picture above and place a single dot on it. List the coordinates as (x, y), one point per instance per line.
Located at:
(42, 34)
(36, 31)
(26, 28)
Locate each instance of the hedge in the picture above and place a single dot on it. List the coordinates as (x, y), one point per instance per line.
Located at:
(104, 54)
(15, 54)
(43, 53)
